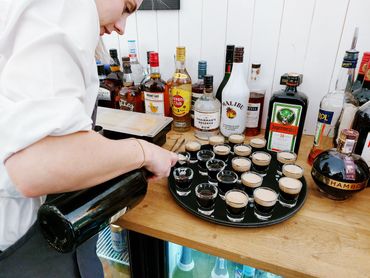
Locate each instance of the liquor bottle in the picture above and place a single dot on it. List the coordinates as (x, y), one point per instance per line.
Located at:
(156, 101)
(105, 96)
(286, 116)
(72, 218)
(363, 93)
(361, 123)
(198, 88)
(207, 112)
(361, 72)
(330, 109)
(235, 97)
(350, 104)
(228, 68)
(256, 101)
(114, 63)
(185, 266)
(147, 69)
(130, 95)
(339, 173)
(220, 269)
(136, 67)
(180, 94)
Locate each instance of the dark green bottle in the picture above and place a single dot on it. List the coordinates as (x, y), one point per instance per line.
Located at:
(228, 69)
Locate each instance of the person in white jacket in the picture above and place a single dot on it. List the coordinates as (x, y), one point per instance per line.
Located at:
(48, 89)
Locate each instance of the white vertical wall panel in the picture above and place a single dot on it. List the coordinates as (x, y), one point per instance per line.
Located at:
(321, 54)
(214, 19)
(357, 15)
(130, 34)
(295, 30)
(147, 33)
(190, 34)
(239, 28)
(266, 31)
(168, 39)
(111, 41)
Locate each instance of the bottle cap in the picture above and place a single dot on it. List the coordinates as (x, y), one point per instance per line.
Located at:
(208, 81)
(101, 70)
(230, 53)
(347, 141)
(238, 54)
(180, 53)
(113, 53)
(256, 66)
(148, 56)
(126, 65)
(350, 134)
(153, 59)
(293, 79)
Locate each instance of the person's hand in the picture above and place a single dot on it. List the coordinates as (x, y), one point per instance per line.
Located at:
(158, 161)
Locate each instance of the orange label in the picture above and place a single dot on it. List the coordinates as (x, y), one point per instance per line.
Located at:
(287, 129)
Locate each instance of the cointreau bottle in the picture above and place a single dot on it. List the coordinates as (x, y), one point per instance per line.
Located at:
(338, 172)
(286, 116)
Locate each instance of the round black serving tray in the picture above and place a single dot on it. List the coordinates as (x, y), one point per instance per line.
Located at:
(279, 214)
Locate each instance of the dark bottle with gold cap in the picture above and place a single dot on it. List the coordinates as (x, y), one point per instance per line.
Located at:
(286, 116)
(339, 173)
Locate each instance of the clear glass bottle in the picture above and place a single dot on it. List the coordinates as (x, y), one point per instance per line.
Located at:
(156, 101)
(228, 68)
(220, 269)
(339, 173)
(198, 88)
(350, 104)
(256, 101)
(286, 116)
(235, 97)
(207, 112)
(331, 107)
(136, 67)
(185, 266)
(180, 94)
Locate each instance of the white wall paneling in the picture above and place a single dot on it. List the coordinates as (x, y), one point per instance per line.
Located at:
(308, 36)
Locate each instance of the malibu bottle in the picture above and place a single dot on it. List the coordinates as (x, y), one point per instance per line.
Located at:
(286, 116)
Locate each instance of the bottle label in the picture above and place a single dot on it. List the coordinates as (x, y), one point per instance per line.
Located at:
(178, 75)
(349, 64)
(181, 101)
(119, 240)
(206, 121)
(103, 94)
(324, 121)
(253, 114)
(351, 186)
(233, 116)
(194, 97)
(284, 126)
(125, 105)
(154, 103)
(365, 154)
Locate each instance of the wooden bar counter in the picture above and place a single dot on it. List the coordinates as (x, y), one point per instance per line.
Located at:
(325, 238)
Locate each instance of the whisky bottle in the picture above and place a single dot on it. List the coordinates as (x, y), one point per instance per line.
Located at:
(256, 101)
(198, 88)
(286, 116)
(185, 266)
(235, 97)
(72, 218)
(207, 112)
(350, 104)
(180, 93)
(156, 101)
(361, 123)
(339, 173)
(105, 96)
(136, 67)
(130, 95)
(228, 68)
(331, 107)
(114, 63)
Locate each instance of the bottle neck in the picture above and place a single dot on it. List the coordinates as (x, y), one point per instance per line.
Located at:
(255, 73)
(345, 78)
(220, 267)
(186, 262)
(346, 146)
(128, 81)
(291, 88)
(208, 92)
(180, 65)
(154, 72)
(238, 70)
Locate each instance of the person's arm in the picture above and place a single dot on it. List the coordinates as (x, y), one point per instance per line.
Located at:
(81, 160)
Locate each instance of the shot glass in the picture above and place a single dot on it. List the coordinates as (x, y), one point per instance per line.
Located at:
(293, 171)
(222, 151)
(182, 159)
(264, 202)
(203, 156)
(257, 144)
(250, 181)
(235, 139)
(285, 157)
(240, 165)
(261, 162)
(227, 180)
(193, 147)
(216, 139)
(243, 150)
(206, 196)
(183, 179)
(236, 204)
(289, 191)
(214, 166)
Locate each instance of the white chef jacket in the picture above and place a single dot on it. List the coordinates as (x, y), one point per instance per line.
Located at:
(48, 87)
